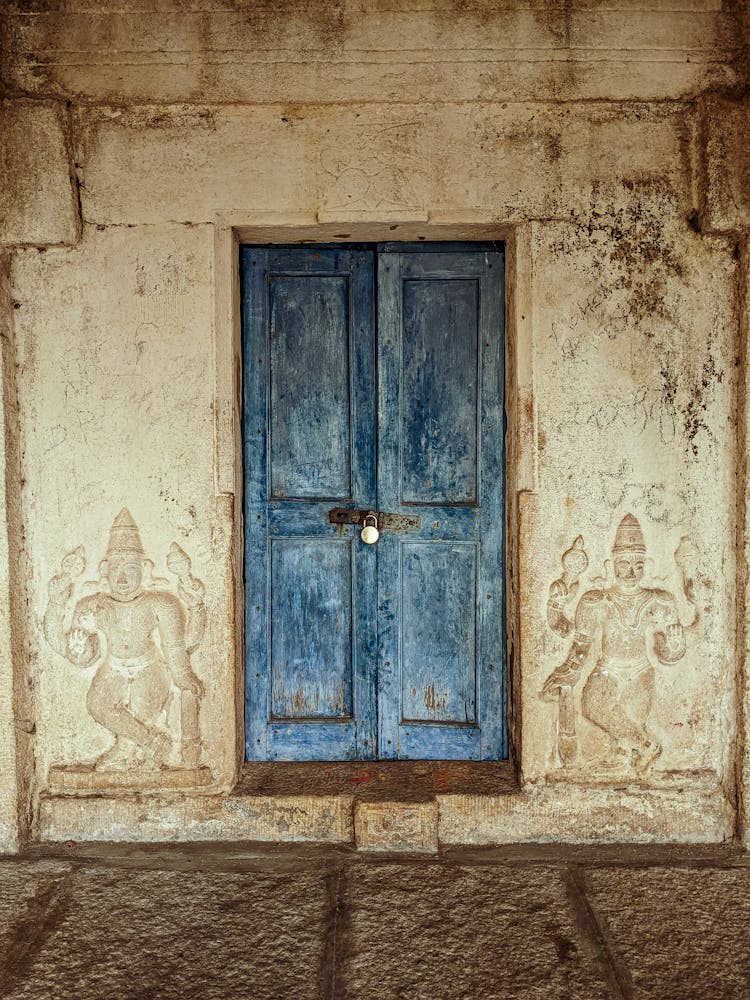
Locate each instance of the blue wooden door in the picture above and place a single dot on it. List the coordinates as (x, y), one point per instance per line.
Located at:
(392, 650)
(441, 654)
(310, 587)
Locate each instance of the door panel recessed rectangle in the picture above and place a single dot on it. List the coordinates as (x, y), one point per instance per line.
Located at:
(310, 404)
(438, 631)
(439, 406)
(311, 629)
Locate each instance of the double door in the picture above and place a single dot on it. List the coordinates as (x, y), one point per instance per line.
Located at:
(373, 382)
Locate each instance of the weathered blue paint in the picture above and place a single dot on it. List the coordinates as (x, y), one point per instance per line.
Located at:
(309, 333)
(311, 628)
(310, 620)
(439, 389)
(321, 605)
(440, 448)
(438, 631)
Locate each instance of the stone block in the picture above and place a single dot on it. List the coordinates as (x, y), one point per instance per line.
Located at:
(680, 933)
(176, 934)
(38, 204)
(498, 163)
(726, 165)
(349, 52)
(396, 826)
(115, 339)
(570, 814)
(744, 424)
(12, 771)
(325, 819)
(29, 894)
(633, 326)
(429, 932)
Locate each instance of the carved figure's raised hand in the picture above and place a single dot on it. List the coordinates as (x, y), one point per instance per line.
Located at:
(669, 645)
(60, 589)
(562, 676)
(189, 682)
(673, 634)
(87, 620)
(74, 563)
(192, 595)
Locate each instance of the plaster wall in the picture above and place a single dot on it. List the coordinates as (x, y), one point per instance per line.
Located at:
(605, 145)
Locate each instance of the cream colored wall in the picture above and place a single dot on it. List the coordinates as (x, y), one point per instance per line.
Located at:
(607, 143)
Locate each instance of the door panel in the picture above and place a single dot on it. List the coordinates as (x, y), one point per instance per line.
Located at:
(439, 391)
(311, 596)
(309, 445)
(440, 438)
(438, 631)
(310, 332)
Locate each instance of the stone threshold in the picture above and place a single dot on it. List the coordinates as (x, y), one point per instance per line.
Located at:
(379, 781)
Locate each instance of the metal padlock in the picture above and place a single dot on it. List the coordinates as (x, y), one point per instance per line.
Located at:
(370, 533)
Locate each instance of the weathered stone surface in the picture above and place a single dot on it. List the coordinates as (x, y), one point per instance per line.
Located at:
(634, 321)
(624, 322)
(347, 51)
(12, 771)
(430, 932)
(726, 165)
(19, 885)
(283, 818)
(679, 933)
(743, 423)
(115, 341)
(30, 897)
(570, 814)
(396, 826)
(37, 199)
(178, 934)
(375, 161)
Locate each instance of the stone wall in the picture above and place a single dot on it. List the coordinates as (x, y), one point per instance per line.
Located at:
(606, 144)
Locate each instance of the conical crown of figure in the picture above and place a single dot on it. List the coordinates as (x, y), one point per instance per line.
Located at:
(124, 536)
(629, 537)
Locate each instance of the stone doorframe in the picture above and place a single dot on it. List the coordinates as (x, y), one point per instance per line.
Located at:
(521, 459)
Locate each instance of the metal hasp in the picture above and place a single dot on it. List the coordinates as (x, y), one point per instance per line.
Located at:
(386, 522)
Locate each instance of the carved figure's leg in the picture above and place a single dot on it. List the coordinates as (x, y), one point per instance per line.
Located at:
(149, 692)
(639, 698)
(190, 729)
(107, 702)
(640, 695)
(602, 704)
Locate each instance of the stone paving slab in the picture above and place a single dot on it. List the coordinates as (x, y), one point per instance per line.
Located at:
(429, 932)
(165, 934)
(153, 922)
(676, 933)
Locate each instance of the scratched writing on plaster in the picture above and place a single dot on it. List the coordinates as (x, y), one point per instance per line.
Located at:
(641, 408)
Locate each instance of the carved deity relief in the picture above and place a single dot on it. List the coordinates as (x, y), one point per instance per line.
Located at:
(139, 636)
(621, 629)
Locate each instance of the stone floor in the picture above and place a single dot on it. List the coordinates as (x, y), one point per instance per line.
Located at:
(256, 922)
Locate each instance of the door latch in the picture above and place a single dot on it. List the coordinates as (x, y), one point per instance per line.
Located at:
(383, 521)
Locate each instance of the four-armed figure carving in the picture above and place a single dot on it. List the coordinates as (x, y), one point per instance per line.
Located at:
(629, 623)
(140, 638)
